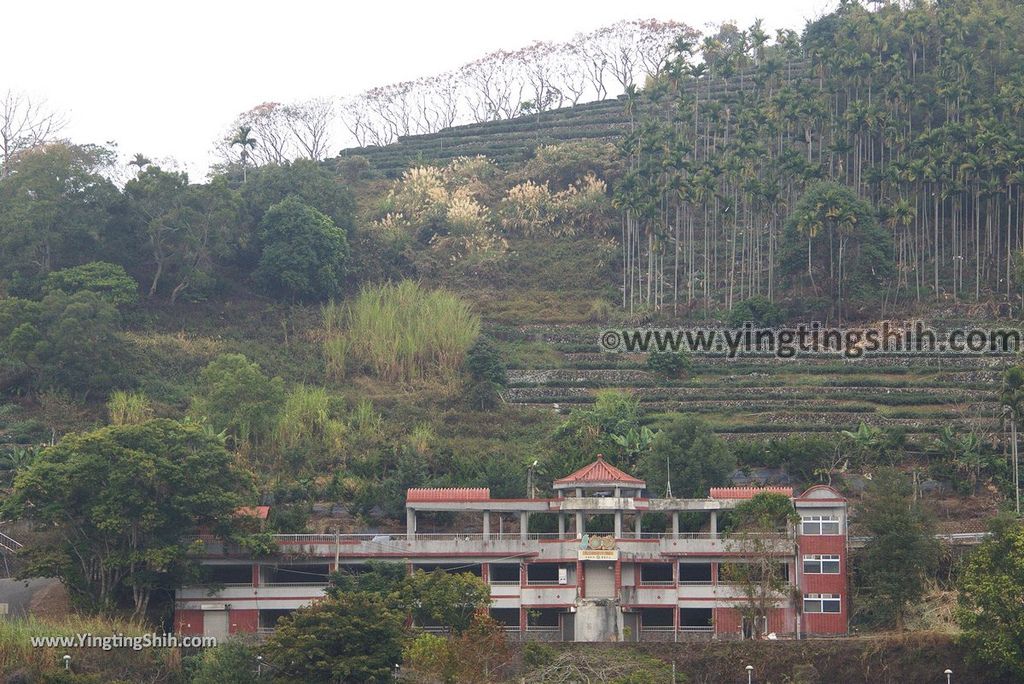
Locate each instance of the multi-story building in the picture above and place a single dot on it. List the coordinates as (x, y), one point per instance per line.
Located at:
(598, 575)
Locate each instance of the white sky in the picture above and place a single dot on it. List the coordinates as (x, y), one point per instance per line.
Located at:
(167, 78)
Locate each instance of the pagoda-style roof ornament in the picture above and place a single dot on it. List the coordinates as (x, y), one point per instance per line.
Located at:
(599, 474)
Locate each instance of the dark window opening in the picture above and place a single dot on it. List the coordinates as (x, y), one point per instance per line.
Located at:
(270, 618)
(228, 574)
(297, 574)
(695, 573)
(542, 617)
(504, 572)
(450, 567)
(655, 617)
(542, 573)
(659, 573)
(506, 616)
(695, 617)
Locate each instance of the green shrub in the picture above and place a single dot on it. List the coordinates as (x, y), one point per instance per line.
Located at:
(669, 364)
(759, 310)
(483, 361)
(235, 396)
(109, 281)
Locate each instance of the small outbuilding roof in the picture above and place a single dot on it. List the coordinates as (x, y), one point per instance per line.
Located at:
(261, 512)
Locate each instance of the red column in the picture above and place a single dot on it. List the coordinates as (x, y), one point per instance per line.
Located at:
(618, 575)
(522, 619)
(581, 581)
(485, 572)
(255, 574)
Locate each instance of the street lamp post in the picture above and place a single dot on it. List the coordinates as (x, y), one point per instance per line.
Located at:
(750, 674)
(949, 676)
(67, 662)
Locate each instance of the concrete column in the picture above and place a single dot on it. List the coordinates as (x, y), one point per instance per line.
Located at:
(410, 523)
(618, 524)
(675, 524)
(487, 525)
(618, 492)
(579, 492)
(714, 523)
(524, 524)
(561, 524)
(636, 524)
(580, 525)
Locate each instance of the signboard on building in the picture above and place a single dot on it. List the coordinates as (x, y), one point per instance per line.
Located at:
(598, 554)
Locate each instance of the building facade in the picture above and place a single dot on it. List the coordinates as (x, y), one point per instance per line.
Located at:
(594, 574)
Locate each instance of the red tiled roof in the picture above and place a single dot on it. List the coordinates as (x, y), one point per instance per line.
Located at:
(260, 512)
(747, 492)
(600, 472)
(448, 494)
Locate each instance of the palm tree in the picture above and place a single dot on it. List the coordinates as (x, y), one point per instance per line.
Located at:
(1012, 398)
(140, 161)
(245, 141)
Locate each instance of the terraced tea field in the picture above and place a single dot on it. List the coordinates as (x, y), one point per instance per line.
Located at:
(761, 396)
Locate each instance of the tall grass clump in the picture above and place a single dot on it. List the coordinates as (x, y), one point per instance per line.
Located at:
(129, 408)
(306, 421)
(44, 664)
(402, 332)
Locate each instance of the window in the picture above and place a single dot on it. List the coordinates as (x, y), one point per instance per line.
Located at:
(819, 524)
(821, 565)
(822, 603)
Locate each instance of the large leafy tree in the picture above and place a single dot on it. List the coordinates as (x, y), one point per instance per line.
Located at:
(117, 504)
(756, 529)
(68, 342)
(592, 431)
(686, 448)
(306, 179)
(349, 637)
(54, 209)
(444, 598)
(304, 254)
(180, 227)
(991, 600)
(901, 553)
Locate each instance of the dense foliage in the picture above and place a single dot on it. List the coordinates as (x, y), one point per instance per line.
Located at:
(991, 611)
(119, 503)
(914, 107)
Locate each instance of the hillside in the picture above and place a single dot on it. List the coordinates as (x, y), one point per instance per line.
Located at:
(291, 346)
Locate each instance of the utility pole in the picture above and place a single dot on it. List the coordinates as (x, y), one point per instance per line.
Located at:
(668, 478)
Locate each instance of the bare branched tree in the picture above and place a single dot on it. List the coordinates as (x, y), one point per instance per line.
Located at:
(310, 124)
(25, 122)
